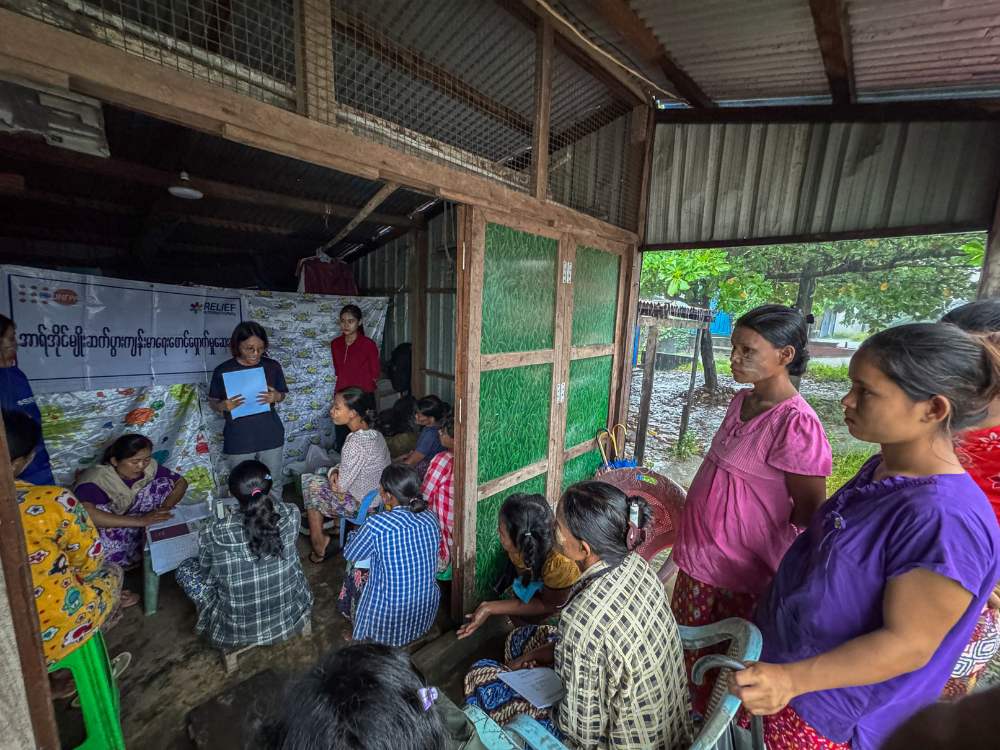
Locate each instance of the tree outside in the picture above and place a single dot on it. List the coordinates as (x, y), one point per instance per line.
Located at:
(870, 284)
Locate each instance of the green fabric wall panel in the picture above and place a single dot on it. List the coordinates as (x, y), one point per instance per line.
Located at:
(589, 398)
(595, 296)
(519, 291)
(490, 557)
(580, 468)
(513, 419)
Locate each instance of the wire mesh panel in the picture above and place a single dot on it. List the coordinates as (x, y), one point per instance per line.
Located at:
(592, 166)
(247, 46)
(450, 80)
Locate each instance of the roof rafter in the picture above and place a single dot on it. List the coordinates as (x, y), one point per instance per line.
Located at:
(620, 16)
(374, 202)
(833, 33)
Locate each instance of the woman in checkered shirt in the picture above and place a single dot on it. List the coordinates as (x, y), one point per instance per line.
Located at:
(616, 649)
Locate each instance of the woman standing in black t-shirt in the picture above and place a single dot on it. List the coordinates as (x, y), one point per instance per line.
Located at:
(257, 437)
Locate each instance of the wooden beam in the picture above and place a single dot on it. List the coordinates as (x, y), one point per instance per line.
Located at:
(619, 15)
(19, 594)
(648, 376)
(642, 210)
(863, 234)
(929, 111)
(514, 478)
(314, 60)
(507, 360)
(35, 151)
(559, 400)
(131, 82)
(543, 108)
(833, 33)
(366, 210)
(612, 76)
(418, 311)
(419, 66)
(989, 279)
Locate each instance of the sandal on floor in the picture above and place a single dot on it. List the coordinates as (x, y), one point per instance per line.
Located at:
(317, 560)
(118, 666)
(128, 599)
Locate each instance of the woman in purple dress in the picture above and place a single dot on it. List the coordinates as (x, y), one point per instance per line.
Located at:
(126, 492)
(873, 603)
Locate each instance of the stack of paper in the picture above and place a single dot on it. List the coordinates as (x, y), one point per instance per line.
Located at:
(174, 540)
(539, 686)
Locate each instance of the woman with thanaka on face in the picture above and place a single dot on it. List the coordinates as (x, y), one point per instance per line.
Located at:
(872, 605)
(362, 460)
(617, 649)
(356, 362)
(977, 449)
(760, 483)
(256, 437)
(543, 576)
(126, 492)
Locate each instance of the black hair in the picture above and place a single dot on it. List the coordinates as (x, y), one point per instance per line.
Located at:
(5, 323)
(981, 316)
(126, 446)
(781, 326)
(598, 513)
(361, 402)
(531, 527)
(250, 483)
(433, 407)
(365, 696)
(23, 434)
(355, 312)
(402, 481)
(939, 359)
(448, 426)
(242, 332)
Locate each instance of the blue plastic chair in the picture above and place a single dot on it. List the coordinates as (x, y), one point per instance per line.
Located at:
(359, 518)
(745, 644)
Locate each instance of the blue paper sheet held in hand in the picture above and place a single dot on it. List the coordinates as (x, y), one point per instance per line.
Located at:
(248, 384)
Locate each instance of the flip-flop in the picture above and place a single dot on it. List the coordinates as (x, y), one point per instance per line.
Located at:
(118, 666)
(327, 554)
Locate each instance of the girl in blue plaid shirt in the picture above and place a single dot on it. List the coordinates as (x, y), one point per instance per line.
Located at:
(398, 600)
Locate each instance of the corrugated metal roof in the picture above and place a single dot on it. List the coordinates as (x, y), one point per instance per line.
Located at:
(738, 50)
(908, 45)
(737, 182)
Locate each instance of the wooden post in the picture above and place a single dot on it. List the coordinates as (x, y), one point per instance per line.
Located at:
(632, 268)
(989, 279)
(560, 366)
(314, 60)
(418, 313)
(648, 374)
(543, 107)
(31, 672)
(686, 412)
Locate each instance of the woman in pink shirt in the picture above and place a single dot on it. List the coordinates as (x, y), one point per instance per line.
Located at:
(762, 480)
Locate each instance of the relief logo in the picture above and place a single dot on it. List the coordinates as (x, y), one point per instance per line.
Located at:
(65, 297)
(214, 307)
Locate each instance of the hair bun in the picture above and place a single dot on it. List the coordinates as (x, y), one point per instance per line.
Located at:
(810, 318)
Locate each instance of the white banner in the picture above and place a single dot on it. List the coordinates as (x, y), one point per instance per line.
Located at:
(78, 332)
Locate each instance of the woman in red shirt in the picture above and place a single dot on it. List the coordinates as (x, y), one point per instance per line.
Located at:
(979, 451)
(356, 362)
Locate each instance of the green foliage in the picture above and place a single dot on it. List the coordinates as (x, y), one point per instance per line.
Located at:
(847, 459)
(823, 373)
(687, 447)
(874, 282)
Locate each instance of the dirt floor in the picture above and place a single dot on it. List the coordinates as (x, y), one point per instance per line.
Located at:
(174, 671)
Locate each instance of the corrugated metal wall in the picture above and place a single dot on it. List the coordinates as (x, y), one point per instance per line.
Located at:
(385, 273)
(734, 182)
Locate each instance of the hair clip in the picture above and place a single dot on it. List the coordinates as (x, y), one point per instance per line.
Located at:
(427, 695)
(267, 477)
(256, 491)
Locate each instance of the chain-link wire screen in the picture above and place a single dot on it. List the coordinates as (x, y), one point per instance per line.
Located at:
(593, 166)
(247, 46)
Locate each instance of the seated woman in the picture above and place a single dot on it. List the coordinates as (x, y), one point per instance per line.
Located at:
(77, 591)
(439, 488)
(367, 696)
(126, 492)
(617, 650)
(394, 601)
(542, 576)
(873, 603)
(247, 581)
(362, 460)
(430, 414)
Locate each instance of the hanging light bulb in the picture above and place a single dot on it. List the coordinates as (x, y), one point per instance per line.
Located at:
(184, 190)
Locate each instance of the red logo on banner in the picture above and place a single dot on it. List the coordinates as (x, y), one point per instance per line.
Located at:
(65, 296)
